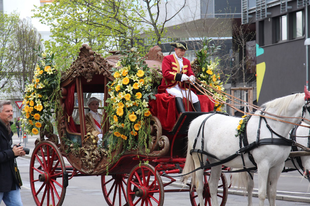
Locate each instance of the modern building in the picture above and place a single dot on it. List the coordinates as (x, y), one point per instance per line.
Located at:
(281, 56)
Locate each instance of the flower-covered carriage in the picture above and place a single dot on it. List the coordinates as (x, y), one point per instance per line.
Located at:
(143, 139)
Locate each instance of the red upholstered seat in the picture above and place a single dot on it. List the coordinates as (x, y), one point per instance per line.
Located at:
(165, 110)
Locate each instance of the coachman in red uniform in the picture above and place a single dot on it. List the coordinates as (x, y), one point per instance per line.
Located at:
(177, 69)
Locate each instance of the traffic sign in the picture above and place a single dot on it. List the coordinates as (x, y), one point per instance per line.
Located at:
(19, 104)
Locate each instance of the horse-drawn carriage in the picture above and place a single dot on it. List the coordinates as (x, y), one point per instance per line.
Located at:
(135, 177)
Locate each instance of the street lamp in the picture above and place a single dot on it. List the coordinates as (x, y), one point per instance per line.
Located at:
(307, 43)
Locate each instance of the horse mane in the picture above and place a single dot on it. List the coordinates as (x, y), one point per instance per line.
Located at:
(281, 104)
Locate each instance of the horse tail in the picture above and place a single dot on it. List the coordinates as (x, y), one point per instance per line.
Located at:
(188, 167)
(241, 180)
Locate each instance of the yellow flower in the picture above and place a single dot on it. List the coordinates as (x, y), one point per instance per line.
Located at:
(116, 75)
(137, 126)
(140, 73)
(30, 122)
(41, 71)
(27, 115)
(241, 121)
(244, 116)
(125, 81)
(115, 118)
(36, 116)
(31, 103)
(124, 137)
(120, 111)
(117, 134)
(138, 95)
(209, 72)
(148, 113)
(141, 81)
(26, 108)
(39, 107)
(214, 77)
(120, 104)
(239, 126)
(35, 131)
(132, 117)
(37, 80)
(30, 109)
(127, 97)
(218, 109)
(125, 72)
(117, 88)
(47, 68)
(133, 133)
(38, 124)
(135, 86)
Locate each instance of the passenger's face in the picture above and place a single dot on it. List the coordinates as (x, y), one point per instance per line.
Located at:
(93, 106)
(6, 115)
(179, 52)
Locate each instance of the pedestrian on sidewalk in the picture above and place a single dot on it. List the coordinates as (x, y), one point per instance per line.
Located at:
(17, 124)
(10, 181)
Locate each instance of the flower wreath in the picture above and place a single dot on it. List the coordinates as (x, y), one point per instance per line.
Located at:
(128, 103)
(242, 125)
(39, 99)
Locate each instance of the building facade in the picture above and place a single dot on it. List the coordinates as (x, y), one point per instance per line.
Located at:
(281, 56)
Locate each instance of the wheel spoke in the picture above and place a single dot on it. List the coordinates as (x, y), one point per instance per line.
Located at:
(45, 162)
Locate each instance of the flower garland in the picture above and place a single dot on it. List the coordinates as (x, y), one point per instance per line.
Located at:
(128, 103)
(208, 72)
(242, 125)
(39, 96)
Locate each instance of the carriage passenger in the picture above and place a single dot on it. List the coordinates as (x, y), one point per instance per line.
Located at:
(93, 118)
(176, 69)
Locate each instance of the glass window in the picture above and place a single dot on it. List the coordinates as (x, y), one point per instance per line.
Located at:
(299, 24)
(283, 28)
(280, 28)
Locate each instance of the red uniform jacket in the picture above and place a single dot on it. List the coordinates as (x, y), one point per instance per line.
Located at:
(171, 72)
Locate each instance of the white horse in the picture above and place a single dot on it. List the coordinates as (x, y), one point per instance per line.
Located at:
(220, 142)
(300, 163)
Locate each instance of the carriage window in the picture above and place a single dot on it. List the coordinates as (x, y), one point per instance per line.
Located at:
(75, 113)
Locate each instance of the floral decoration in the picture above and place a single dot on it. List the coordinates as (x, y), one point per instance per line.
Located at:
(207, 72)
(39, 95)
(128, 103)
(242, 125)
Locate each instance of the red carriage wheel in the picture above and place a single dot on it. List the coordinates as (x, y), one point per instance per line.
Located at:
(146, 185)
(222, 197)
(114, 189)
(48, 177)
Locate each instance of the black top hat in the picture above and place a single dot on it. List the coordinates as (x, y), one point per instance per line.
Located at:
(180, 44)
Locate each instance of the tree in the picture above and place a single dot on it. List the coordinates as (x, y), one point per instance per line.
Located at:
(25, 46)
(104, 25)
(241, 71)
(19, 57)
(8, 24)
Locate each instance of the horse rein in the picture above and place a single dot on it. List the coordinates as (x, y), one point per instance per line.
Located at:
(208, 93)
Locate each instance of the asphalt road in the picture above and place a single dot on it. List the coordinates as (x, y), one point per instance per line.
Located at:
(292, 190)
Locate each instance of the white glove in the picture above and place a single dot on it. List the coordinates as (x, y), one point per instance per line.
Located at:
(192, 79)
(184, 78)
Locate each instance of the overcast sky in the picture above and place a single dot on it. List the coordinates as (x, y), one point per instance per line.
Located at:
(23, 8)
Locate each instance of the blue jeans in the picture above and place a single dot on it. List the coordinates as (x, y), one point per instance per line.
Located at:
(11, 198)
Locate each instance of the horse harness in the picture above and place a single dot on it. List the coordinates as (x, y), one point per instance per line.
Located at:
(243, 140)
(294, 148)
